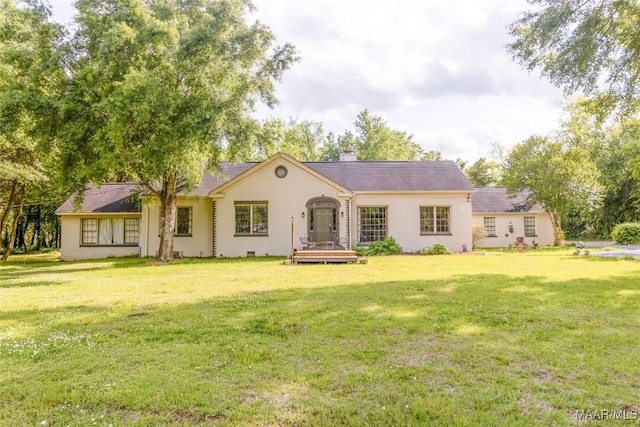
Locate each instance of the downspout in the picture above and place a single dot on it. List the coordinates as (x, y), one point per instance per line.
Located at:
(348, 224)
(147, 233)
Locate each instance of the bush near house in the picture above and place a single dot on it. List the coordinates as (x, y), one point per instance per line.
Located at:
(627, 233)
(388, 246)
(436, 249)
(478, 234)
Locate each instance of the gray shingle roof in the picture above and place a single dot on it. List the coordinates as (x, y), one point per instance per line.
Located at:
(496, 200)
(113, 197)
(364, 176)
(395, 176)
(226, 172)
(105, 198)
(355, 176)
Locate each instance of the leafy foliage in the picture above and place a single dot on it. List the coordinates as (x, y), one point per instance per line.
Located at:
(431, 155)
(32, 79)
(388, 246)
(626, 234)
(301, 139)
(478, 234)
(559, 176)
(590, 46)
(613, 149)
(484, 173)
(436, 249)
(374, 140)
(160, 89)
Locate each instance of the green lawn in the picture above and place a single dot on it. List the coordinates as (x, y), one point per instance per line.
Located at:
(522, 338)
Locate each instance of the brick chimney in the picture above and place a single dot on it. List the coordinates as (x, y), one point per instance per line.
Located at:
(348, 156)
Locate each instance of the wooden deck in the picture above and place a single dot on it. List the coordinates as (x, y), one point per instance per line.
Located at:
(319, 255)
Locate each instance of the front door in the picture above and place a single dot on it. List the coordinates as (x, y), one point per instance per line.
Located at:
(324, 224)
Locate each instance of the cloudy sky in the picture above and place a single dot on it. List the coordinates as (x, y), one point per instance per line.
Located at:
(437, 69)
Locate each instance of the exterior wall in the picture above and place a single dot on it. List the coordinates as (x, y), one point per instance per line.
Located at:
(544, 228)
(199, 244)
(71, 248)
(286, 197)
(403, 211)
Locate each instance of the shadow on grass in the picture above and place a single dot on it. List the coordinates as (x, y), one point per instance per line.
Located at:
(43, 283)
(486, 349)
(12, 270)
(56, 318)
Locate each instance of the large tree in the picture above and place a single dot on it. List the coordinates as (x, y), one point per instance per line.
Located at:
(377, 141)
(31, 81)
(558, 176)
(612, 148)
(484, 173)
(301, 139)
(161, 87)
(591, 46)
(373, 140)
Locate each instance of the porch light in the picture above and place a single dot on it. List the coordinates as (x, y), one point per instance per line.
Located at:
(468, 197)
(342, 214)
(302, 214)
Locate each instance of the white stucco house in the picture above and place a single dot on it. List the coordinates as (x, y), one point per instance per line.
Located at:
(249, 208)
(509, 219)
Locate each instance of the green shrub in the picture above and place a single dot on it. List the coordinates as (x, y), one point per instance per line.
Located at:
(627, 233)
(360, 250)
(436, 249)
(388, 246)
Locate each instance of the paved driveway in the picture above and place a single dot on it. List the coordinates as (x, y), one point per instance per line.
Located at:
(619, 251)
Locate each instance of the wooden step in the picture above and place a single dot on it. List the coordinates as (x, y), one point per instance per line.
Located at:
(320, 256)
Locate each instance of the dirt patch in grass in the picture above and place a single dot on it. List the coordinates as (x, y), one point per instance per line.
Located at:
(416, 353)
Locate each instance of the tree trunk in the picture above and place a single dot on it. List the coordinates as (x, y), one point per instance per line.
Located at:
(21, 231)
(168, 197)
(5, 214)
(14, 226)
(558, 234)
(38, 229)
(32, 241)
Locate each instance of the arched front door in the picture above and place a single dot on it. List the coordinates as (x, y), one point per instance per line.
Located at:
(322, 224)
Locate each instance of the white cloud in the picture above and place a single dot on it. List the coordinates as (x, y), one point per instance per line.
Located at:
(437, 69)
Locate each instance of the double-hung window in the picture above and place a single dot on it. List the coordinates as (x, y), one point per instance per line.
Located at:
(131, 231)
(89, 231)
(490, 226)
(252, 218)
(530, 226)
(184, 221)
(435, 219)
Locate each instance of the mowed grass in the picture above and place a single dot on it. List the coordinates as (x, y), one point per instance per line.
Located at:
(522, 338)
